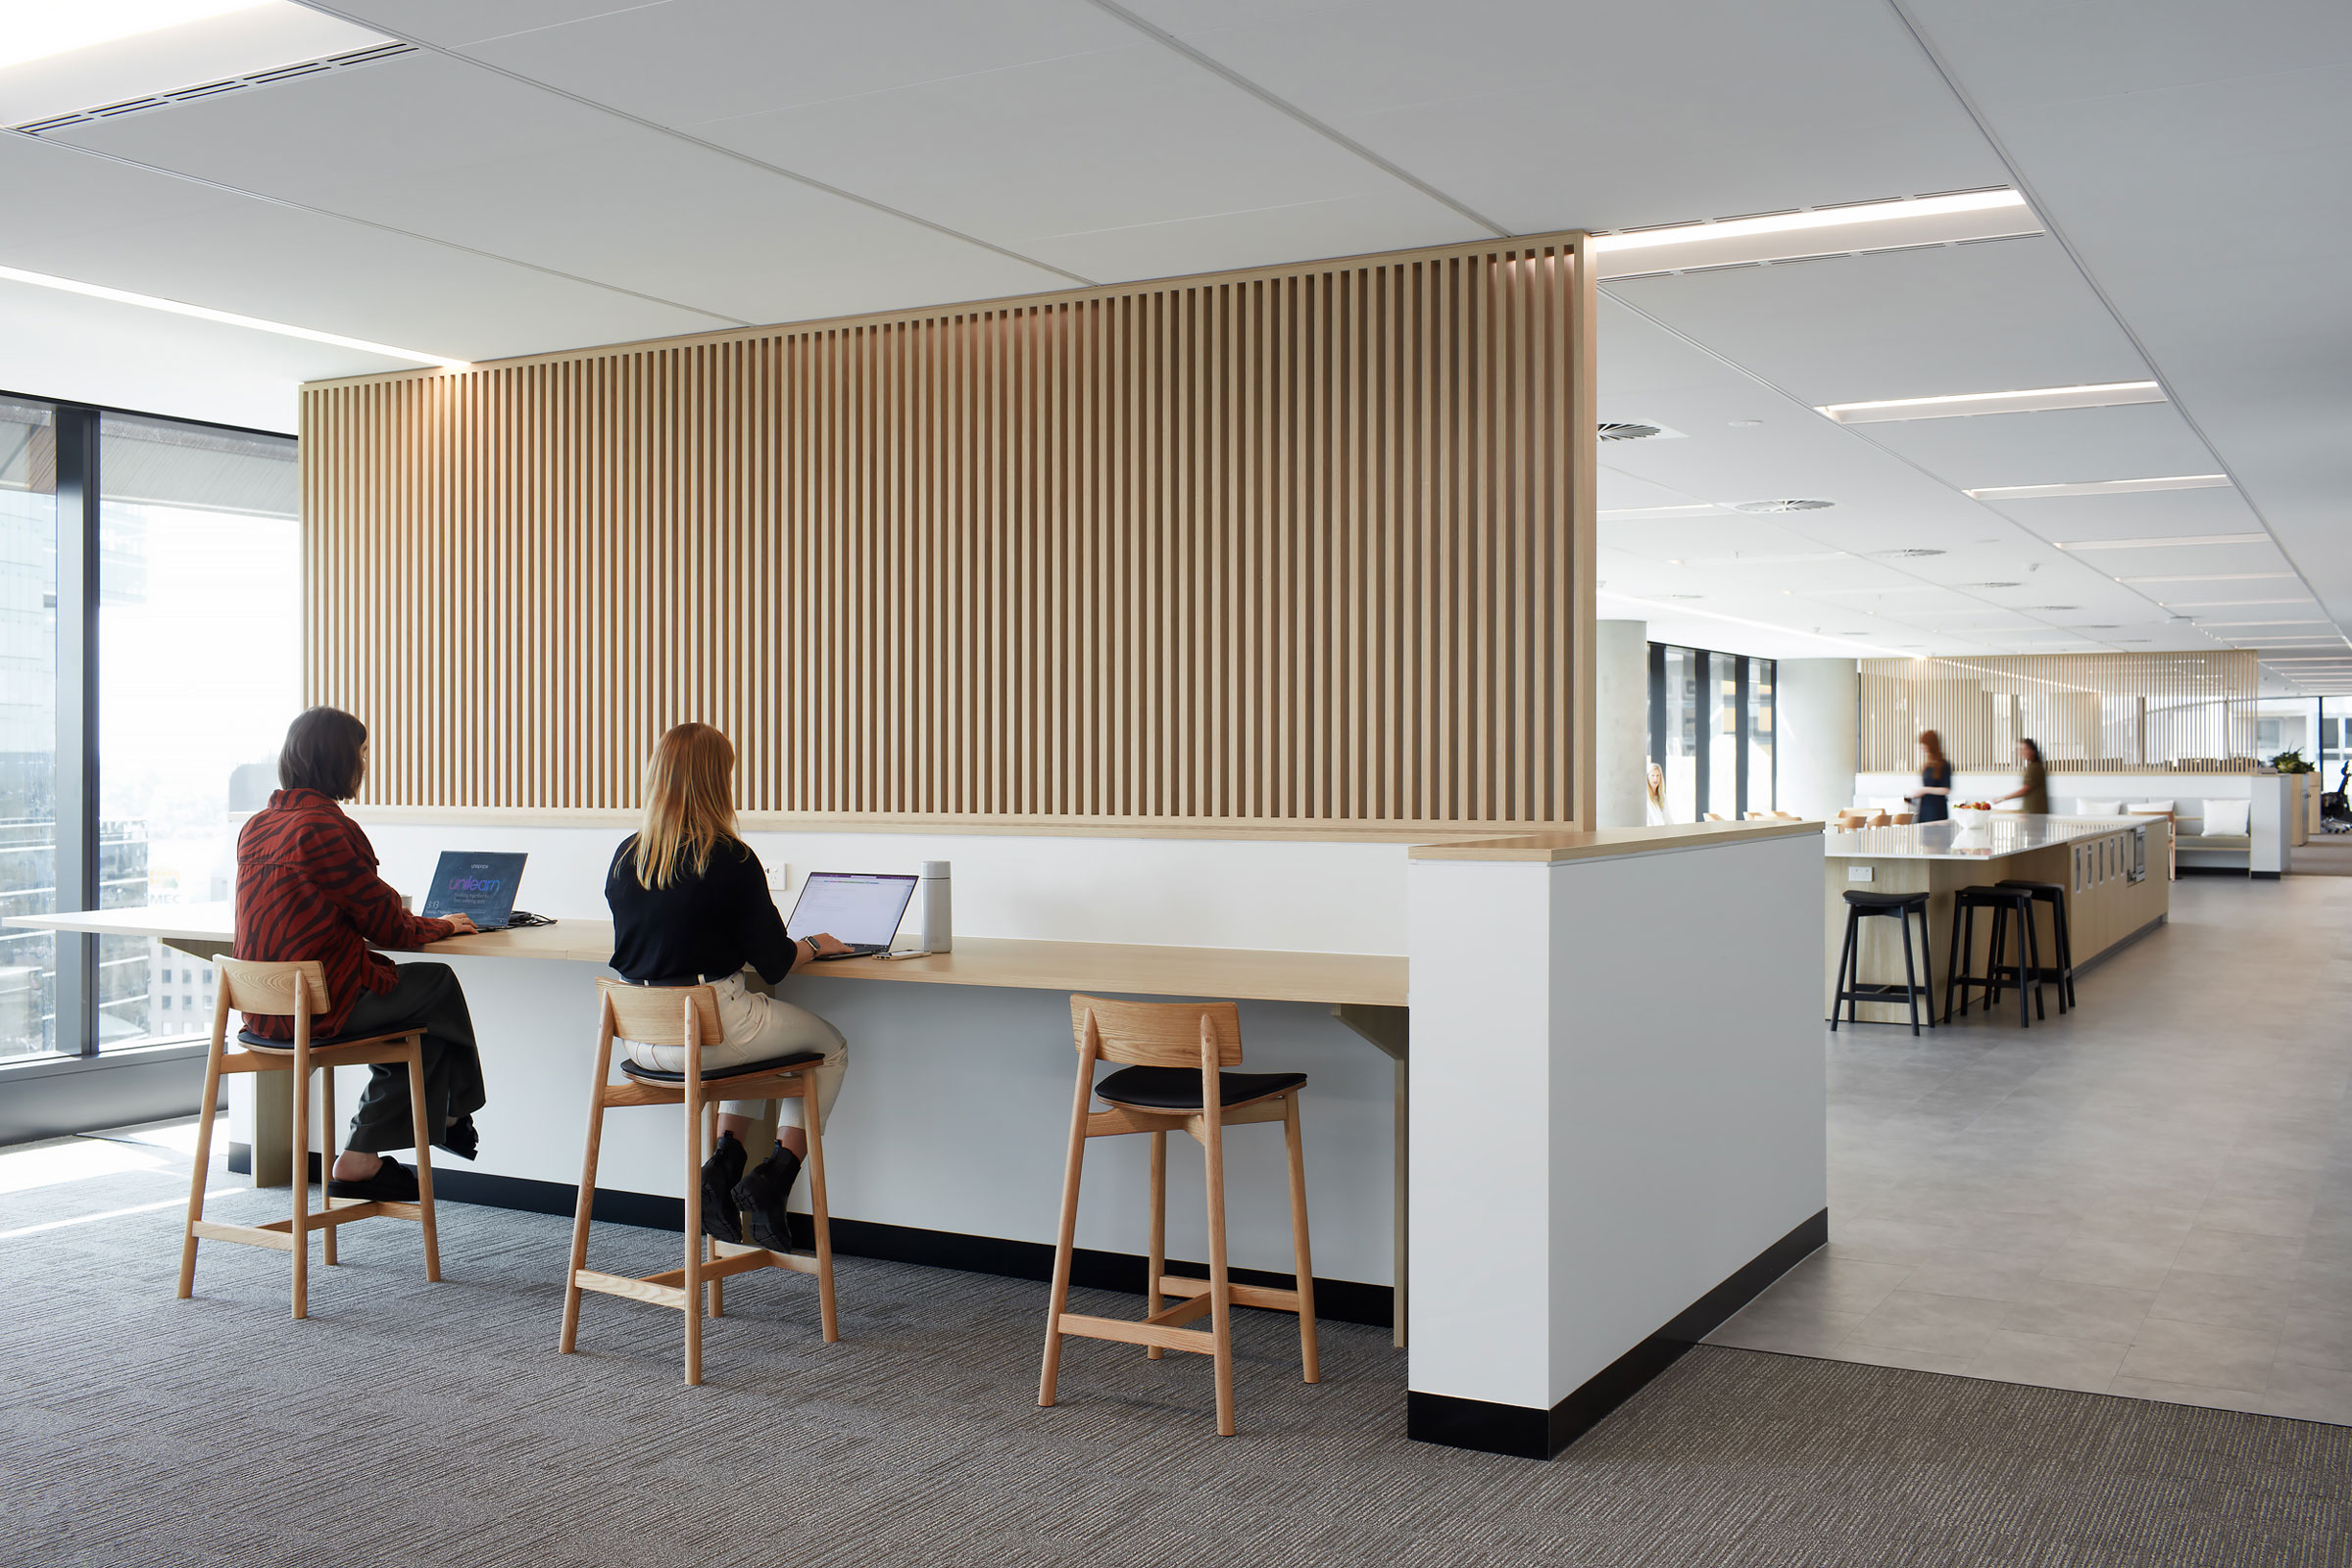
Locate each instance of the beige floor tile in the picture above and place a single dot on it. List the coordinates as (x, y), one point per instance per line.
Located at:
(1837, 1284)
(2252, 1400)
(1941, 1325)
(1989, 1276)
(2047, 1361)
(1913, 1361)
(1887, 1241)
(2071, 1309)
(2312, 1394)
(2317, 1339)
(2256, 1215)
(2205, 1353)
(1788, 1331)
(2212, 1252)
(2130, 1265)
(2234, 1301)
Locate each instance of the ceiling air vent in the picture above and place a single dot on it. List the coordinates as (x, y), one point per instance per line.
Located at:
(1762, 507)
(1905, 555)
(1628, 433)
(1682, 596)
(2052, 610)
(1993, 585)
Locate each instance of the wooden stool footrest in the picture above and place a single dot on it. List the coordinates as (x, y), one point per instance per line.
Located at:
(588, 1279)
(1199, 1341)
(211, 1230)
(718, 1269)
(1258, 1295)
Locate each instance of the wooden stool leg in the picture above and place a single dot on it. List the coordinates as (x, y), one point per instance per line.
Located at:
(204, 1160)
(1302, 1259)
(326, 1160)
(692, 1274)
(587, 1198)
(301, 1228)
(415, 1056)
(1057, 1300)
(1220, 1288)
(820, 1213)
(718, 1287)
(1158, 1263)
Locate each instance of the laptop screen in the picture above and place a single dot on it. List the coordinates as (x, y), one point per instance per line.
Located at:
(861, 909)
(479, 885)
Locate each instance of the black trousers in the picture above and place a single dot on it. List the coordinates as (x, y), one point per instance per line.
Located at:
(428, 997)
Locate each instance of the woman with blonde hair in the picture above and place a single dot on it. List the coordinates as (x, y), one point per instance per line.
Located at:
(691, 907)
(1654, 813)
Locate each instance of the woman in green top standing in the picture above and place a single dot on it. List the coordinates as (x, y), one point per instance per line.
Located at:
(2035, 790)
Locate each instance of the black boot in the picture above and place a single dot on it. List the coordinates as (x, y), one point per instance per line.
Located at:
(762, 1194)
(461, 1138)
(721, 1172)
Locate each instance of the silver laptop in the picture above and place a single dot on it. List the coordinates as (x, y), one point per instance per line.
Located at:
(861, 908)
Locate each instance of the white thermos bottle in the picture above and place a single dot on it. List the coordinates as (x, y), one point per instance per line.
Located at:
(939, 934)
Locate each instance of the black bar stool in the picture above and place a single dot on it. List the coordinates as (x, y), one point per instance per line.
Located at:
(2063, 974)
(1860, 906)
(2003, 902)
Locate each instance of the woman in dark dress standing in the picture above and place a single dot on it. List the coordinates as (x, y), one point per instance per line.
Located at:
(1934, 801)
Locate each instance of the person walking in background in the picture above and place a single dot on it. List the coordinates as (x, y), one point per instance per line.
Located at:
(2035, 790)
(1933, 802)
(1654, 813)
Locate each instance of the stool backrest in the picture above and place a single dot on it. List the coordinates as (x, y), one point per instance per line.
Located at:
(662, 1015)
(275, 990)
(1157, 1034)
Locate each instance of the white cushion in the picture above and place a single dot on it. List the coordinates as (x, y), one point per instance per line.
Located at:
(2227, 817)
(2098, 808)
(2153, 807)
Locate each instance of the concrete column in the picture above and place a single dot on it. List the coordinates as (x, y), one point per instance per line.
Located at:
(1621, 650)
(1816, 723)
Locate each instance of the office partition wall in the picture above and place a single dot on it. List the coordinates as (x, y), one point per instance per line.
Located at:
(1305, 546)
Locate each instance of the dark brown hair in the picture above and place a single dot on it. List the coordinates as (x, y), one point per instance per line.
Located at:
(322, 753)
(1932, 744)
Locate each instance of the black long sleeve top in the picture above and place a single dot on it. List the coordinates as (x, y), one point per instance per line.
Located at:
(712, 924)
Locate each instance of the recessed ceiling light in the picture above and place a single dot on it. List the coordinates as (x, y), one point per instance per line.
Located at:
(2050, 609)
(2039, 400)
(2214, 576)
(2100, 487)
(1993, 585)
(1766, 508)
(1745, 424)
(227, 317)
(1905, 555)
(35, 32)
(2228, 604)
(2265, 623)
(2161, 543)
(1821, 231)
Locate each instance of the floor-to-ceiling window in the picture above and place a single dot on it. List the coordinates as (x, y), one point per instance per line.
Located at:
(134, 552)
(1710, 728)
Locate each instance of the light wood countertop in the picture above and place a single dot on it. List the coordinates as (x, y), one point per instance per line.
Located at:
(1611, 843)
(1124, 968)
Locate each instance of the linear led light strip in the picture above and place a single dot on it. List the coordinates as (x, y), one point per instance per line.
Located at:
(2101, 487)
(1821, 231)
(205, 313)
(2163, 541)
(2039, 400)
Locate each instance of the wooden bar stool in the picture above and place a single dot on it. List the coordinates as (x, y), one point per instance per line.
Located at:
(1173, 1052)
(687, 1016)
(299, 991)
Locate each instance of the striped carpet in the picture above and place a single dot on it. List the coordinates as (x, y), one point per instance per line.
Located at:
(409, 1424)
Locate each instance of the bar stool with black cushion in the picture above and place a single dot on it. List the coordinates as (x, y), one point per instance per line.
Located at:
(299, 991)
(1172, 1055)
(2003, 902)
(1860, 906)
(2061, 973)
(687, 1016)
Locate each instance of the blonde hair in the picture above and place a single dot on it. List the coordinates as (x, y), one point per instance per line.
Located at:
(688, 804)
(1656, 782)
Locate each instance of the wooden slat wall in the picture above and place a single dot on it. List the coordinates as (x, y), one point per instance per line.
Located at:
(2088, 713)
(1307, 545)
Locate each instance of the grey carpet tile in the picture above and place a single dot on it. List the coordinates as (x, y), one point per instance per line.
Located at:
(409, 1424)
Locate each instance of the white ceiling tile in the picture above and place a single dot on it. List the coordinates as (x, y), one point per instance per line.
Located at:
(1063, 150)
(1544, 116)
(2146, 440)
(694, 62)
(235, 43)
(2149, 514)
(460, 22)
(1989, 317)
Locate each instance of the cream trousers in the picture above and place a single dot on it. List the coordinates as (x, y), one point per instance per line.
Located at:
(758, 1027)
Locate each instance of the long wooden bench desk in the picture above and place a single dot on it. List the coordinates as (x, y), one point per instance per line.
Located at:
(1363, 991)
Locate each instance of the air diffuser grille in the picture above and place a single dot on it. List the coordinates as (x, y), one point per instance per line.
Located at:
(1761, 507)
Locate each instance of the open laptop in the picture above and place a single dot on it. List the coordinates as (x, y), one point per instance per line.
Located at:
(861, 908)
(478, 885)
